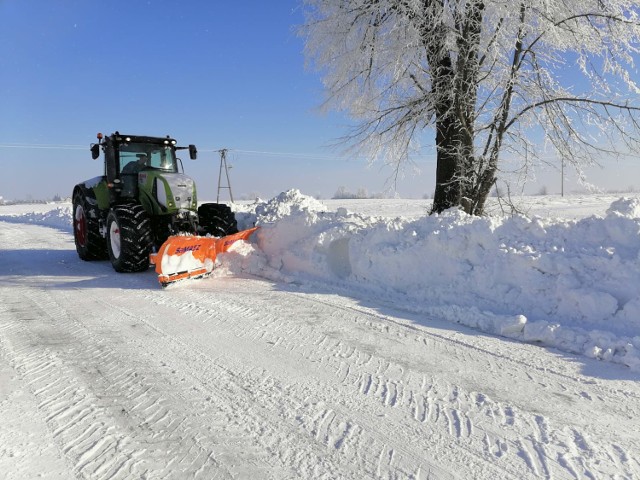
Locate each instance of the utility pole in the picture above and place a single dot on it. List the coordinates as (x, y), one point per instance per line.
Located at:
(223, 164)
(562, 178)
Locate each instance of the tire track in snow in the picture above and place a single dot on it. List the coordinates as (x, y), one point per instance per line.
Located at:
(544, 454)
(92, 413)
(455, 412)
(260, 399)
(274, 398)
(68, 408)
(386, 390)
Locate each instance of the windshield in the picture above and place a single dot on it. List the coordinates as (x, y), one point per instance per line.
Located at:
(146, 155)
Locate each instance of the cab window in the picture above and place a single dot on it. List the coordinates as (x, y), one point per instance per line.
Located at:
(161, 157)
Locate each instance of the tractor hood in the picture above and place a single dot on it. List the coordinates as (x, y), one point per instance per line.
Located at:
(171, 191)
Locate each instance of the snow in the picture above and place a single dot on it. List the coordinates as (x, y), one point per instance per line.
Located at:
(569, 284)
(57, 217)
(343, 347)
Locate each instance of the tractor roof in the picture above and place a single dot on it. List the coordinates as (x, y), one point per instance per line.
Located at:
(121, 138)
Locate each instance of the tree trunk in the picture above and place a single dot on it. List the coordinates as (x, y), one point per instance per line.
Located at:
(448, 188)
(455, 89)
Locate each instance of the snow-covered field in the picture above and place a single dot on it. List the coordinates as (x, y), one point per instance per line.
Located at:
(350, 339)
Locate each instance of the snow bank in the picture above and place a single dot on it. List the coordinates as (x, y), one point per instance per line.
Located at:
(59, 217)
(570, 284)
(574, 285)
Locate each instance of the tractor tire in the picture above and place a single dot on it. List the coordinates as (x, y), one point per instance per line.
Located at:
(90, 244)
(217, 219)
(129, 238)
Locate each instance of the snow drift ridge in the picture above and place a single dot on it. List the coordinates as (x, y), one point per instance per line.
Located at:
(564, 283)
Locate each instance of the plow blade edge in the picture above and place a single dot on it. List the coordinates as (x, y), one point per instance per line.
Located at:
(182, 257)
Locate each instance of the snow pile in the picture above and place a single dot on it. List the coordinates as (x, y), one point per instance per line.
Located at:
(286, 204)
(59, 218)
(626, 207)
(574, 285)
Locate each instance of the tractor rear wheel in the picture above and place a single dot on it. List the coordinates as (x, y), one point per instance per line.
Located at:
(90, 244)
(129, 238)
(217, 219)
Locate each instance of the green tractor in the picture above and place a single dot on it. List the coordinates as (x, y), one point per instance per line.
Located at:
(141, 199)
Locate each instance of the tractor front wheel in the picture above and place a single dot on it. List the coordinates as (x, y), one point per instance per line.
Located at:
(217, 219)
(129, 238)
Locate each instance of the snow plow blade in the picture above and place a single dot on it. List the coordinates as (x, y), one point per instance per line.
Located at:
(183, 257)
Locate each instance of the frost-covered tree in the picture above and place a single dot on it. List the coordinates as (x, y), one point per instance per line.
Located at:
(487, 77)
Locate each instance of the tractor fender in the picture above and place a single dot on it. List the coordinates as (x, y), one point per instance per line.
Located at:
(96, 190)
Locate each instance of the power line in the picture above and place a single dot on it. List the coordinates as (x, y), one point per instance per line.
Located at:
(308, 156)
(292, 155)
(235, 150)
(305, 156)
(302, 156)
(45, 146)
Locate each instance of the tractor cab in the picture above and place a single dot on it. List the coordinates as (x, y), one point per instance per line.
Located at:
(134, 162)
(130, 153)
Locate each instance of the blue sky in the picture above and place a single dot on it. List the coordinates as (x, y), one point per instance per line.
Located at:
(217, 74)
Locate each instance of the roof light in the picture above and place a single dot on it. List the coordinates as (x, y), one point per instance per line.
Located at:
(166, 142)
(128, 139)
(99, 136)
(173, 142)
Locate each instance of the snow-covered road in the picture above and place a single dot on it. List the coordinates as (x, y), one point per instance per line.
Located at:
(106, 376)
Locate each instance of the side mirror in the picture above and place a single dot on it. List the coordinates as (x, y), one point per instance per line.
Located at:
(95, 150)
(193, 152)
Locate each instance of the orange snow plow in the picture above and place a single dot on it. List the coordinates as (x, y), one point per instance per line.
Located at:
(182, 257)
